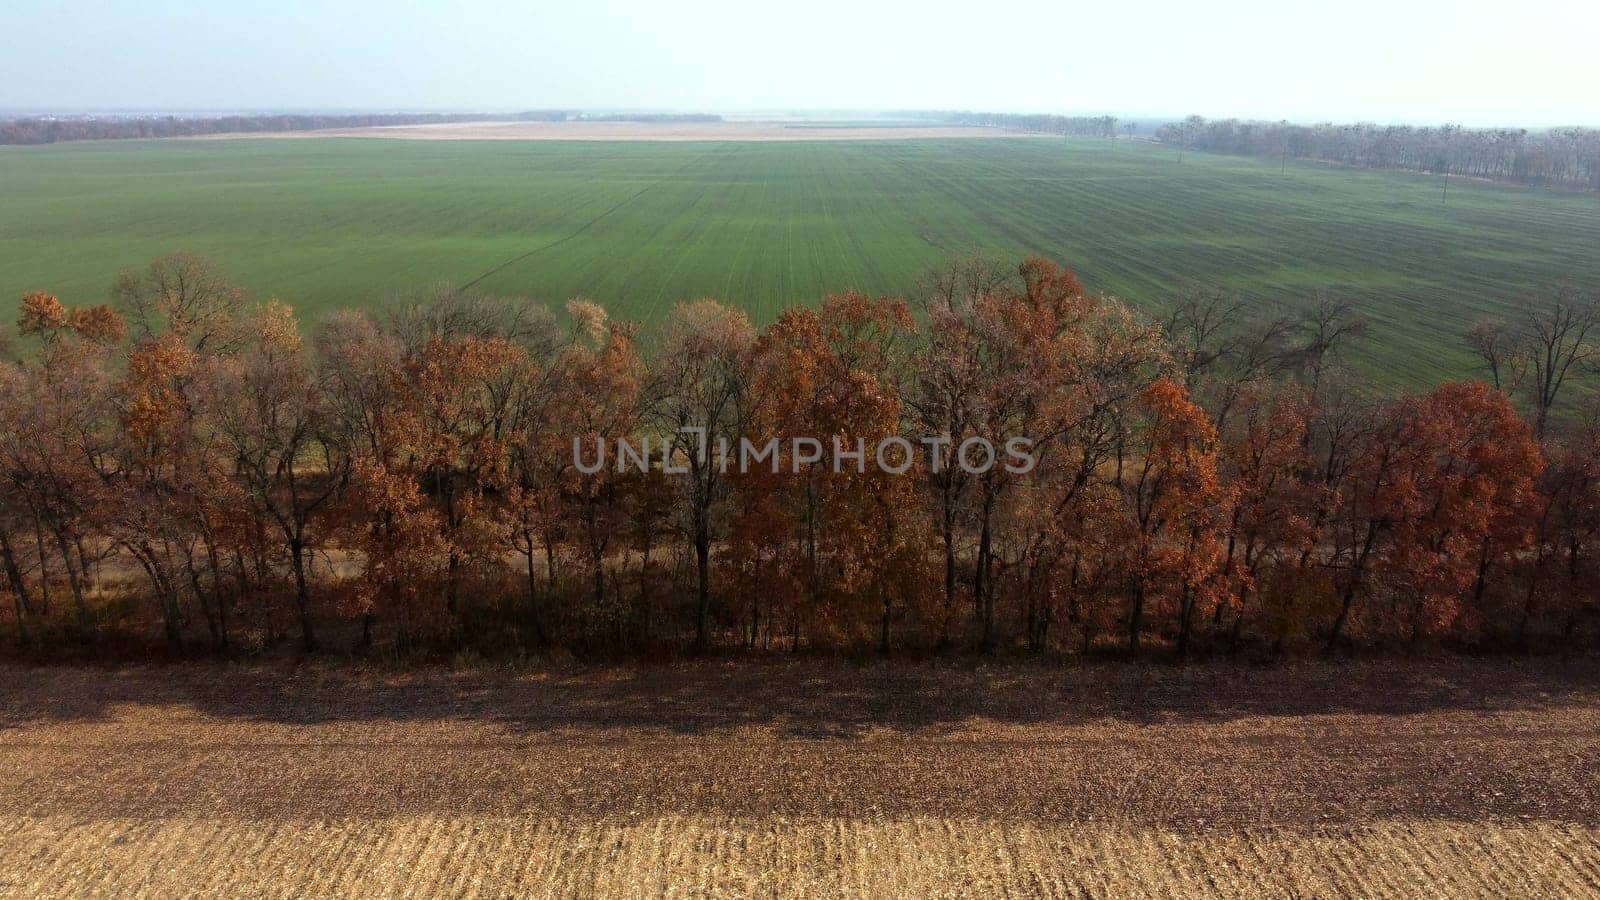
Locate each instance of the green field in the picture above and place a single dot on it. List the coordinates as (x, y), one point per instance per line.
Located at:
(328, 223)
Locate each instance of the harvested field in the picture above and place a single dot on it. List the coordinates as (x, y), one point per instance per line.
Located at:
(645, 131)
(697, 856)
(1457, 777)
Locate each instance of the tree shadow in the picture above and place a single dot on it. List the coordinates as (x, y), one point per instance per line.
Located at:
(1307, 745)
(803, 699)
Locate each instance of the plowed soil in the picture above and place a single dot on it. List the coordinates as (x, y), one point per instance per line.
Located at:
(804, 778)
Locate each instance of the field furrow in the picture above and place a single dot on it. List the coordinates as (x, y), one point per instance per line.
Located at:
(328, 223)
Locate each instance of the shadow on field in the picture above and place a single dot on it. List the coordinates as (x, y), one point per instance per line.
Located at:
(802, 699)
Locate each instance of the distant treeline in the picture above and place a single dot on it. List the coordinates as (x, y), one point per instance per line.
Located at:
(1557, 157)
(642, 117)
(50, 130)
(1081, 126)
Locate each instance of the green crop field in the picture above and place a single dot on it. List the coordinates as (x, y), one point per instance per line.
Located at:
(334, 222)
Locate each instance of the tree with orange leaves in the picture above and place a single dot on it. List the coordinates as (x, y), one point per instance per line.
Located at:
(602, 376)
(1055, 521)
(1270, 511)
(1441, 491)
(1173, 501)
(42, 314)
(55, 437)
(48, 318)
(831, 376)
(537, 459)
(168, 486)
(1030, 358)
(1563, 571)
(452, 427)
(159, 456)
(1474, 500)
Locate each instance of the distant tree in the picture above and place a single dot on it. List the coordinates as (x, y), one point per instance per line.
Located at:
(1566, 157)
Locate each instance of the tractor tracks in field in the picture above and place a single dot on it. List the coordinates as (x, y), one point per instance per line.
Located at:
(549, 245)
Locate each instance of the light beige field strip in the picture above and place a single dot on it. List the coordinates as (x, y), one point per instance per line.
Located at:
(689, 856)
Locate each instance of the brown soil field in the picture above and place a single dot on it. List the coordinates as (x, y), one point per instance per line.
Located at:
(640, 131)
(804, 778)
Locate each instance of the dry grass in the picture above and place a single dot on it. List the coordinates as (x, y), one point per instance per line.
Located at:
(1458, 778)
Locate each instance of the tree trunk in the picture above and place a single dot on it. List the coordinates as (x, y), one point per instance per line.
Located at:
(981, 589)
(550, 560)
(1185, 617)
(1481, 583)
(883, 635)
(24, 633)
(80, 604)
(200, 598)
(1344, 614)
(44, 566)
(19, 590)
(88, 571)
(1135, 616)
(452, 588)
(1348, 597)
(533, 599)
(702, 562)
(947, 526)
(302, 594)
(646, 616)
(222, 595)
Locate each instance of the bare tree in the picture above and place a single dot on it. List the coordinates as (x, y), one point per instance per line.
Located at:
(270, 416)
(1202, 329)
(186, 294)
(1321, 330)
(1497, 344)
(1220, 345)
(442, 311)
(1555, 332)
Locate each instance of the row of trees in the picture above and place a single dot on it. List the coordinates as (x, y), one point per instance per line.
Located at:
(1556, 157)
(54, 129)
(187, 463)
(1037, 123)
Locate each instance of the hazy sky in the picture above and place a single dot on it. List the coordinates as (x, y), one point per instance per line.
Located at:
(1527, 62)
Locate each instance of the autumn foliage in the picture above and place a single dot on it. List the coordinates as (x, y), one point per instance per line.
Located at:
(188, 466)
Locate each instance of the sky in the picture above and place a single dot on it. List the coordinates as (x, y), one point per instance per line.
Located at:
(1533, 62)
